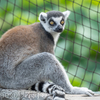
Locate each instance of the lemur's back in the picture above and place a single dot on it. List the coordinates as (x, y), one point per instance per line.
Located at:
(21, 42)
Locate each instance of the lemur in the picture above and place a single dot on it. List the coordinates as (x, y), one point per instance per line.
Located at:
(27, 57)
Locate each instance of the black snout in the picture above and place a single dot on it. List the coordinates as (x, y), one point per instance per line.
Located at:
(59, 28)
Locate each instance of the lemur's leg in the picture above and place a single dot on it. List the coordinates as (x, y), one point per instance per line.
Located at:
(43, 66)
(57, 92)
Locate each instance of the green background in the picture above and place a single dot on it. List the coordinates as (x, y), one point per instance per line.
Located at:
(78, 48)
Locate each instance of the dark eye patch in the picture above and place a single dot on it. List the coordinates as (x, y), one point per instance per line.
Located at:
(51, 22)
(62, 22)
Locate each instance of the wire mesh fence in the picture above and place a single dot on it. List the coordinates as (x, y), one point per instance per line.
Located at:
(78, 48)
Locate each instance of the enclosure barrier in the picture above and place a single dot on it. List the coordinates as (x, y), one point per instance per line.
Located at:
(78, 48)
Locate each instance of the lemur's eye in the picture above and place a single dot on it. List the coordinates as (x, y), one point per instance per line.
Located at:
(62, 22)
(52, 22)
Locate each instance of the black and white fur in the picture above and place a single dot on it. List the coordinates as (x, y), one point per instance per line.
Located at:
(57, 92)
(27, 57)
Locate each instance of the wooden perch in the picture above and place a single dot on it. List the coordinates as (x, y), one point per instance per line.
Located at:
(8, 94)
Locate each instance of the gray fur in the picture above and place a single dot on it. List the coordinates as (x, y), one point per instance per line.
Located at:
(51, 14)
(26, 57)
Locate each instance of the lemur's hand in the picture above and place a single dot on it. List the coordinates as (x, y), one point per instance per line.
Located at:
(82, 90)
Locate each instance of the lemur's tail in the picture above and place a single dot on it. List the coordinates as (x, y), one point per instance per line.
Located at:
(48, 87)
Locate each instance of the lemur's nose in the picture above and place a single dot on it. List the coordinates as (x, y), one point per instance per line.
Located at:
(59, 28)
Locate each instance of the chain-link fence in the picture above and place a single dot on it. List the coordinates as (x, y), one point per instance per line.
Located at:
(78, 48)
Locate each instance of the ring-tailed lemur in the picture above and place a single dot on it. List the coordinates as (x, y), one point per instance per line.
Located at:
(27, 57)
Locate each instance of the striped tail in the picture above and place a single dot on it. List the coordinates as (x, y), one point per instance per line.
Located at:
(48, 87)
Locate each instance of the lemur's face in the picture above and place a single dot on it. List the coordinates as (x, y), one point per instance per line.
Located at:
(56, 24)
(54, 21)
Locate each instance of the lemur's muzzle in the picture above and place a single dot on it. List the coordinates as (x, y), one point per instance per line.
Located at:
(59, 28)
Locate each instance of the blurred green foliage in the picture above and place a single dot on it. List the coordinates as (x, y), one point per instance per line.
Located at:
(78, 48)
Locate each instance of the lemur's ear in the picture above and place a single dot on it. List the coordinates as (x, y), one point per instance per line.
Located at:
(43, 17)
(66, 14)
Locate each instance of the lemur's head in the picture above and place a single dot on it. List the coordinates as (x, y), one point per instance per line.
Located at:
(54, 21)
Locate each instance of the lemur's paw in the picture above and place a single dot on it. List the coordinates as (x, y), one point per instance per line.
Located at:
(58, 95)
(82, 90)
(56, 87)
